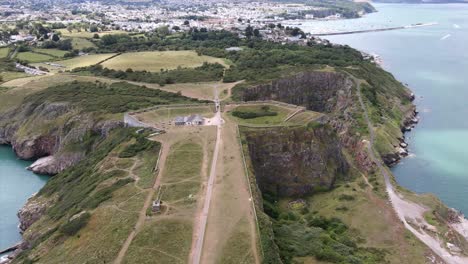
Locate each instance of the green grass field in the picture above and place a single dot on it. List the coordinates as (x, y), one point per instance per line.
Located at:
(282, 113)
(52, 52)
(76, 62)
(81, 43)
(165, 241)
(87, 34)
(4, 52)
(33, 57)
(168, 239)
(157, 60)
(8, 76)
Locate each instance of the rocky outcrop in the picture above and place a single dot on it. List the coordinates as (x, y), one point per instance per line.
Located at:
(51, 165)
(295, 162)
(37, 146)
(332, 93)
(31, 212)
(318, 91)
(54, 133)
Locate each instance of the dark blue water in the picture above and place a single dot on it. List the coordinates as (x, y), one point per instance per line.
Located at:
(16, 185)
(434, 62)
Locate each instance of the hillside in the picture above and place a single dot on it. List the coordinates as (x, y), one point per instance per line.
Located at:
(286, 160)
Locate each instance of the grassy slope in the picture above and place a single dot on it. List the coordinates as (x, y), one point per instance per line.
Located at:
(158, 60)
(81, 61)
(111, 217)
(167, 236)
(4, 52)
(53, 52)
(33, 57)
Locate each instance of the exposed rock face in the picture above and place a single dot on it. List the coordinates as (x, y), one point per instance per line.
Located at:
(51, 165)
(331, 93)
(31, 212)
(47, 130)
(318, 91)
(38, 146)
(295, 162)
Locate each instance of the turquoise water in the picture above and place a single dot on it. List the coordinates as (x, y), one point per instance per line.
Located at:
(433, 61)
(16, 185)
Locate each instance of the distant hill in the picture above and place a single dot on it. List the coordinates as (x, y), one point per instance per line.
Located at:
(421, 1)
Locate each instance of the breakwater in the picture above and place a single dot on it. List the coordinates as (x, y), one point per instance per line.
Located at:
(375, 30)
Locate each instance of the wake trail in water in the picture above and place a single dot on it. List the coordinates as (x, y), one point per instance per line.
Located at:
(446, 37)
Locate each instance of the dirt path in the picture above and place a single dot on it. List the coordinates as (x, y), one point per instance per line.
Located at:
(148, 201)
(404, 209)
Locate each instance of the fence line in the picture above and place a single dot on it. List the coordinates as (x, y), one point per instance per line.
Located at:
(259, 235)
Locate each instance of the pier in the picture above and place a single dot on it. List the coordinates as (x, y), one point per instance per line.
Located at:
(375, 30)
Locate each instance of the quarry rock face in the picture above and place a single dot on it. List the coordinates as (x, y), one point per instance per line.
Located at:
(296, 162)
(317, 91)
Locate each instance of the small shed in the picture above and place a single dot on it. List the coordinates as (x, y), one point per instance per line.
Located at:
(156, 206)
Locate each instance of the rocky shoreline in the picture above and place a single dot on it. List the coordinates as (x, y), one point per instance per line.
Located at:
(401, 150)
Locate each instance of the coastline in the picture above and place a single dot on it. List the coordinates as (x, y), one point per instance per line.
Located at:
(10, 250)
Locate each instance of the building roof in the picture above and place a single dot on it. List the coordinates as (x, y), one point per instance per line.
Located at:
(195, 118)
(192, 118)
(179, 119)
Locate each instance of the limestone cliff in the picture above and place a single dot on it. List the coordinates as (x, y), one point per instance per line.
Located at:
(318, 91)
(295, 162)
(334, 93)
(52, 130)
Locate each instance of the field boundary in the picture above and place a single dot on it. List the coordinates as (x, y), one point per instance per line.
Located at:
(250, 191)
(169, 106)
(110, 58)
(273, 102)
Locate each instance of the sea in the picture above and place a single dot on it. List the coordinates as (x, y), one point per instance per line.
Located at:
(433, 61)
(16, 185)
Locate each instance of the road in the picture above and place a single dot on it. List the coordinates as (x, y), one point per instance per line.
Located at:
(198, 247)
(405, 209)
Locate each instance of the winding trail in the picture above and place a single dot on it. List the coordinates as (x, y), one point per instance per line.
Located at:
(405, 209)
(149, 198)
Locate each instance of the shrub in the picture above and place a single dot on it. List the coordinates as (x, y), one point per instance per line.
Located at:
(251, 115)
(346, 197)
(72, 227)
(140, 145)
(106, 193)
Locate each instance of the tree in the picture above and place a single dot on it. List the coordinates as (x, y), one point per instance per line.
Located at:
(96, 36)
(55, 38)
(249, 31)
(256, 33)
(93, 28)
(186, 23)
(163, 31)
(176, 28)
